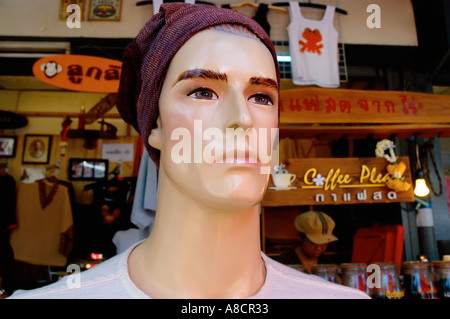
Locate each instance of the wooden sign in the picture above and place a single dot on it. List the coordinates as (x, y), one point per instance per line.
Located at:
(105, 10)
(335, 181)
(327, 106)
(79, 73)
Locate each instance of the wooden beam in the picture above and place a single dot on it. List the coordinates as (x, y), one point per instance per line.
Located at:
(343, 106)
(62, 114)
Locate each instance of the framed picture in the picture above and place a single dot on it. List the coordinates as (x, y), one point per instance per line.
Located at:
(87, 169)
(8, 146)
(104, 10)
(63, 14)
(36, 149)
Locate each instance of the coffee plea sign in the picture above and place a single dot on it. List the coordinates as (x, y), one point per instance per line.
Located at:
(337, 181)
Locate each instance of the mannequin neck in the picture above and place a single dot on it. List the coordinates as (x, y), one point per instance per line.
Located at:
(199, 251)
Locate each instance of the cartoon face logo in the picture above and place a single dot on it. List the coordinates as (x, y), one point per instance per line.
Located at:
(312, 37)
(51, 69)
(104, 10)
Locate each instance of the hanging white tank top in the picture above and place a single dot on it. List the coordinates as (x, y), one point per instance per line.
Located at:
(158, 3)
(313, 45)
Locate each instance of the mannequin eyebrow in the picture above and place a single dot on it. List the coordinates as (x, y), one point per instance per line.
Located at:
(201, 73)
(268, 82)
(213, 75)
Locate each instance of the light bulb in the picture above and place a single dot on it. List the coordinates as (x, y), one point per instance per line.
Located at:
(421, 188)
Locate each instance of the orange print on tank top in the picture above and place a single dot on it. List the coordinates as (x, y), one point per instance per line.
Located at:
(312, 37)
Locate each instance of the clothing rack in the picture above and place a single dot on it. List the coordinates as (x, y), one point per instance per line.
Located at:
(143, 3)
(272, 7)
(255, 6)
(309, 5)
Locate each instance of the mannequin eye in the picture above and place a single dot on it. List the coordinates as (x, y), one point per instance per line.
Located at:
(261, 99)
(203, 94)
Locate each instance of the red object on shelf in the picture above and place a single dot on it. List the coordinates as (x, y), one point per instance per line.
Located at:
(378, 244)
(96, 256)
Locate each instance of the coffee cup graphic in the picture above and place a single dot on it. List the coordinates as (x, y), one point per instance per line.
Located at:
(283, 180)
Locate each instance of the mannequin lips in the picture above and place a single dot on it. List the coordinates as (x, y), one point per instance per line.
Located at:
(238, 156)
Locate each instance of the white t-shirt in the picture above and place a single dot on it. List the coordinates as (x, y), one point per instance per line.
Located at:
(313, 45)
(111, 280)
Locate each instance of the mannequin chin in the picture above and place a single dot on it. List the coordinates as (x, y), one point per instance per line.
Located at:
(216, 104)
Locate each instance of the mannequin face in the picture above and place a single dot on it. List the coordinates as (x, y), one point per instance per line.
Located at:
(217, 81)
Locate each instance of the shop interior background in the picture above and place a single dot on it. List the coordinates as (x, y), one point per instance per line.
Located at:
(409, 52)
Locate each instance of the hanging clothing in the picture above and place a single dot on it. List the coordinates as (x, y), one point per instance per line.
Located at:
(6, 263)
(158, 3)
(313, 45)
(111, 212)
(146, 196)
(261, 17)
(144, 205)
(7, 201)
(7, 220)
(44, 235)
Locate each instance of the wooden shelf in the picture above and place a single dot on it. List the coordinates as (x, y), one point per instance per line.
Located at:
(91, 134)
(381, 131)
(359, 114)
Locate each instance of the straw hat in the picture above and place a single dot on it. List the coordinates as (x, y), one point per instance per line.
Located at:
(317, 226)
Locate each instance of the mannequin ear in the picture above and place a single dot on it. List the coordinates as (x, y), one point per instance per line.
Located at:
(155, 137)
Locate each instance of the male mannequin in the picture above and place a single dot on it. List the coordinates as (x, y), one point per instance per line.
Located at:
(203, 228)
(205, 239)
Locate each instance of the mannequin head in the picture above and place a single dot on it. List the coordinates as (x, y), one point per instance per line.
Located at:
(214, 83)
(217, 72)
(147, 58)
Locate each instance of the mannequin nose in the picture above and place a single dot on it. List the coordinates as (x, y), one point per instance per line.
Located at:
(238, 114)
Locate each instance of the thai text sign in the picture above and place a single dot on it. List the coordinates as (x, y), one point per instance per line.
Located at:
(320, 105)
(79, 73)
(334, 181)
(118, 152)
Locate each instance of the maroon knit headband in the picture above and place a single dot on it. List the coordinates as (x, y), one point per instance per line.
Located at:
(147, 58)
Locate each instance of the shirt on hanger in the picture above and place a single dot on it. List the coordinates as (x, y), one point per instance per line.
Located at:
(261, 17)
(44, 220)
(313, 45)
